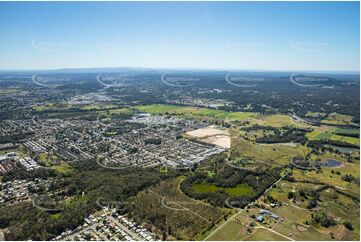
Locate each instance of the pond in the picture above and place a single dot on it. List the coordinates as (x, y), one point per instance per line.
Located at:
(331, 163)
(342, 149)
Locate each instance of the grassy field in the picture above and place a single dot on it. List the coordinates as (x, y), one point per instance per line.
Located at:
(331, 133)
(277, 120)
(346, 139)
(329, 178)
(337, 119)
(318, 135)
(232, 231)
(274, 154)
(239, 190)
(63, 168)
(195, 112)
(264, 235)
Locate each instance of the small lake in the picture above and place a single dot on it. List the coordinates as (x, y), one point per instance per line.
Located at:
(342, 149)
(330, 163)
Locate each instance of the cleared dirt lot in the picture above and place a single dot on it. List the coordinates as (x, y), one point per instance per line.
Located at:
(211, 135)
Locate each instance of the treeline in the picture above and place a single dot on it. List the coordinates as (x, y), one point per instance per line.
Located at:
(318, 144)
(349, 134)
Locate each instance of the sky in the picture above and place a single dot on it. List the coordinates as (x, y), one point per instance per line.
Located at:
(304, 36)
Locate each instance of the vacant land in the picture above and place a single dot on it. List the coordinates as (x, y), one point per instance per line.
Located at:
(277, 120)
(337, 119)
(271, 153)
(211, 135)
(195, 112)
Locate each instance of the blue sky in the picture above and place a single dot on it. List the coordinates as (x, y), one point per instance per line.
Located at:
(229, 35)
